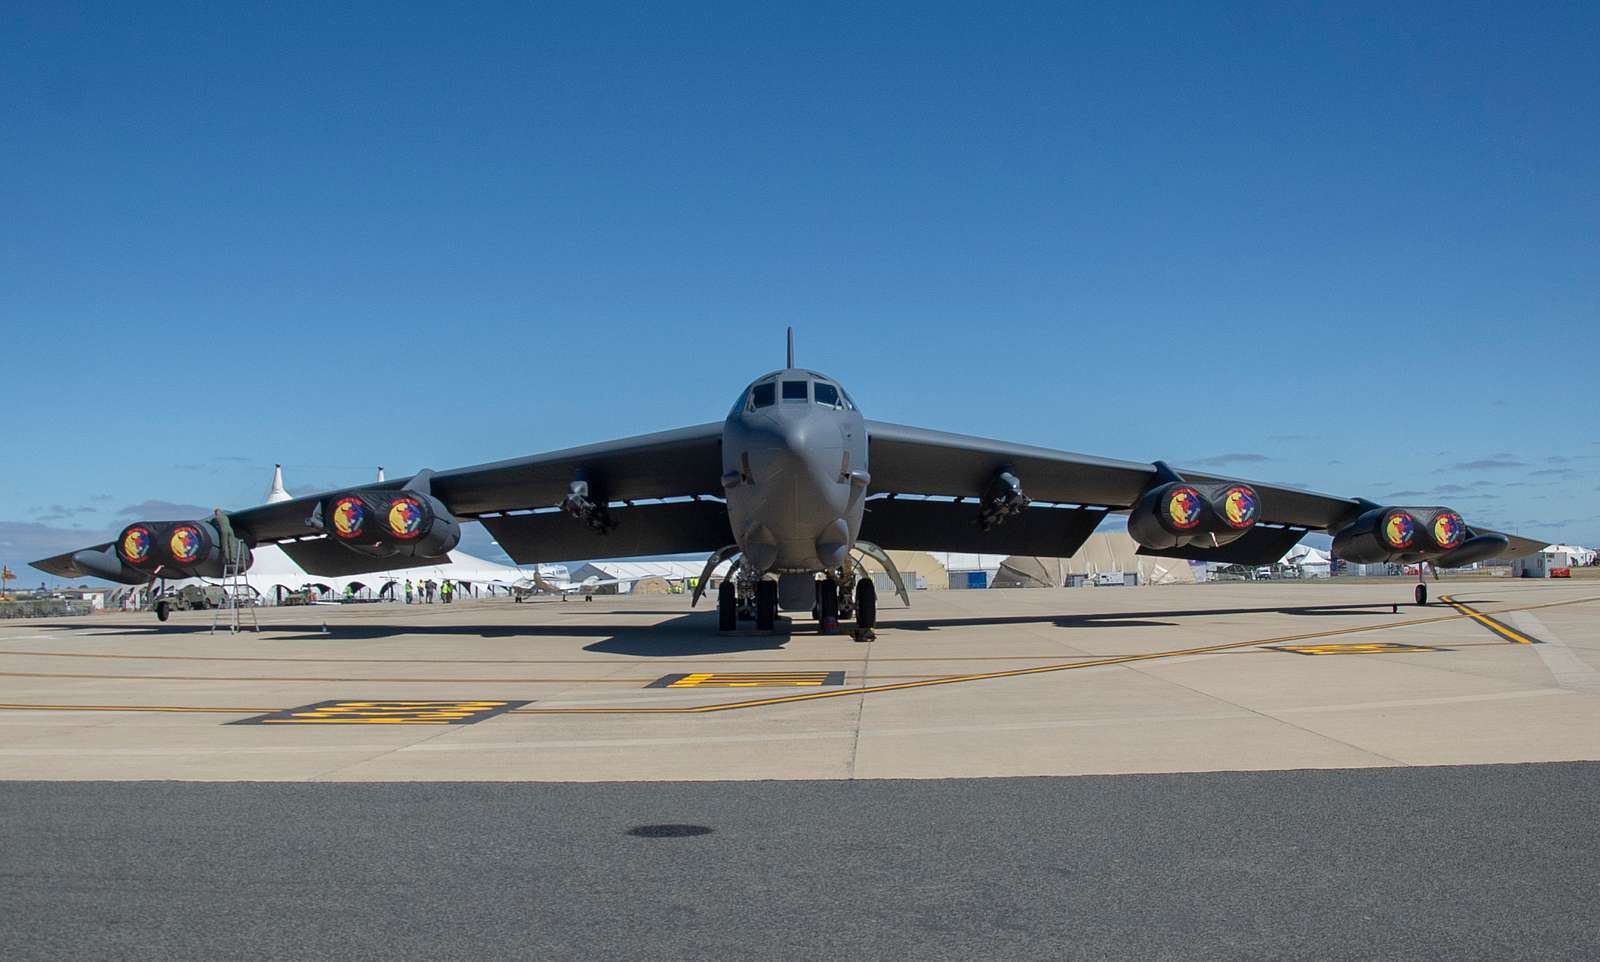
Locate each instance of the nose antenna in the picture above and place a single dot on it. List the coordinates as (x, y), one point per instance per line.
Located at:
(791, 347)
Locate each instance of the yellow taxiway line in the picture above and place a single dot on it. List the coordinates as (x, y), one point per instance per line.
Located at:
(1503, 630)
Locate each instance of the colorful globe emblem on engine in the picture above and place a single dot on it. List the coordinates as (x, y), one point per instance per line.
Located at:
(405, 518)
(1448, 529)
(1399, 530)
(349, 517)
(1183, 507)
(135, 545)
(185, 544)
(1239, 507)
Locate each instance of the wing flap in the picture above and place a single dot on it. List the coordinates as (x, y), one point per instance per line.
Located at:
(902, 524)
(670, 528)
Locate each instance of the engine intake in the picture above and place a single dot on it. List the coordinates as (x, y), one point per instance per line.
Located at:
(174, 549)
(1180, 513)
(383, 524)
(1409, 534)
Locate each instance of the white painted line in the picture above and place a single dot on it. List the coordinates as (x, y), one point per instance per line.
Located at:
(1565, 665)
(458, 745)
(1418, 702)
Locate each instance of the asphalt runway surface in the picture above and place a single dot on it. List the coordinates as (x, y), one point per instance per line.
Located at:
(1450, 862)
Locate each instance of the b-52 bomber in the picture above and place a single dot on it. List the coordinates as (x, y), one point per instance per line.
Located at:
(794, 488)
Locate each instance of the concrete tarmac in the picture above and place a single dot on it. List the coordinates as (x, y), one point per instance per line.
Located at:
(1487, 862)
(1312, 779)
(963, 684)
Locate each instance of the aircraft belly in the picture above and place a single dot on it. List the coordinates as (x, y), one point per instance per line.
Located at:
(788, 511)
(792, 502)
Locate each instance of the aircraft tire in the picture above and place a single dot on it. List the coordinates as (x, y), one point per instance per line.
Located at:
(827, 610)
(1422, 594)
(727, 607)
(766, 605)
(163, 611)
(866, 604)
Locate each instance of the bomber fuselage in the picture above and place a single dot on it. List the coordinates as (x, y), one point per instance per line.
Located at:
(794, 462)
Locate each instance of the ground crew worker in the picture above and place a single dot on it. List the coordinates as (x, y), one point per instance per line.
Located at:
(408, 591)
(431, 588)
(349, 593)
(445, 591)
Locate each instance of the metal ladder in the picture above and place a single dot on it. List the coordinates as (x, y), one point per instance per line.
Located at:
(235, 562)
(234, 587)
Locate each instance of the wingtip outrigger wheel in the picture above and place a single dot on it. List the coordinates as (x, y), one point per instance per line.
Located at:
(717, 558)
(882, 557)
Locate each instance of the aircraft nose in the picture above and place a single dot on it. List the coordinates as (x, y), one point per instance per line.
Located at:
(798, 500)
(797, 443)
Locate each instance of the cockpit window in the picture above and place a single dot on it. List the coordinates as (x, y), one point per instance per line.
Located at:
(827, 395)
(763, 395)
(794, 390)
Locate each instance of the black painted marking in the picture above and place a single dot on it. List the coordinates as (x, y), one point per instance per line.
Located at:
(385, 712)
(668, 831)
(1368, 648)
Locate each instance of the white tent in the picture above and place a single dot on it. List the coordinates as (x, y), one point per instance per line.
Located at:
(1311, 562)
(1579, 555)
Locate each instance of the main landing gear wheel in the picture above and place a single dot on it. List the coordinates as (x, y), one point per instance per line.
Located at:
(163, 610)
(766, 605)
(1422, 594)
(727, 607)
(827, 607)
(866, 610)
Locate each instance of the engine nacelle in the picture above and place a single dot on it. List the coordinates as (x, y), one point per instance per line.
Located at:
(1407, 534)
(1180, 513)
(174, 549)
(383, 524)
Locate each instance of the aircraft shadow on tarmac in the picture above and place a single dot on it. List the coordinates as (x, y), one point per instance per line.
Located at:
(1136, 619)
(687, 634)
(696, 634)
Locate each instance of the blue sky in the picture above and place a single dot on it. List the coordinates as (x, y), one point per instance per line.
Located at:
(1352, 247)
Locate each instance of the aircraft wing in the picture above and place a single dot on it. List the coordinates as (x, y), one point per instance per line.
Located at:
(68, 566)
(1517, 547)
(917, 472)
(504, 495)
(687, 461)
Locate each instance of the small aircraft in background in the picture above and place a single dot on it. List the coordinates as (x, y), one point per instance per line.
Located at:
(538, 584)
